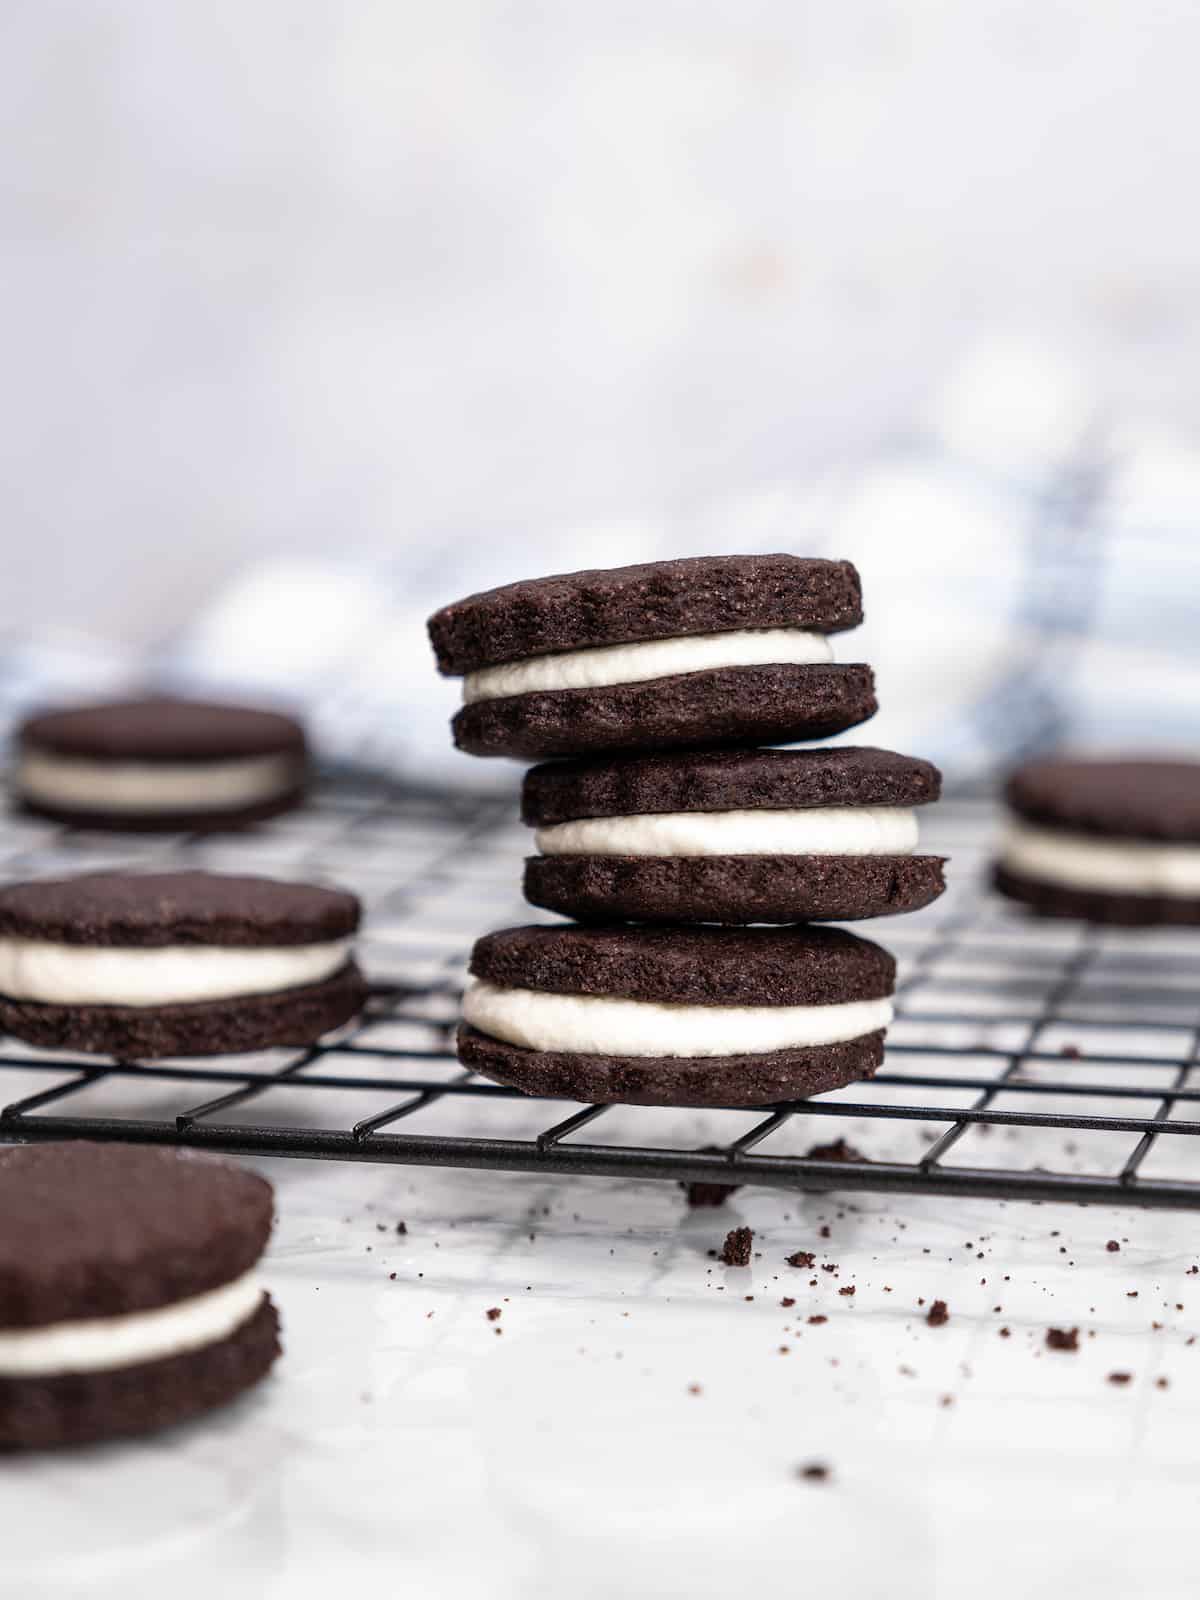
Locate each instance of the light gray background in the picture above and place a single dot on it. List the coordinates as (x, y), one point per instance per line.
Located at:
(376, 276)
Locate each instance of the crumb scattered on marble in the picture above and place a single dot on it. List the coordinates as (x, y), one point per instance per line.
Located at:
(736, 1250)
(1062, 1338)
(839, 1150)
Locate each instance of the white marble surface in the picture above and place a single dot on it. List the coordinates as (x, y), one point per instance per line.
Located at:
(405, 1444)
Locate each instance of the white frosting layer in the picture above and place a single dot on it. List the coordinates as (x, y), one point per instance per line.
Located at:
(652, 658)
(148, 786)
(821, 831)
(99, 1344)
(110, 975)
(1093, 861)
(600, 1025)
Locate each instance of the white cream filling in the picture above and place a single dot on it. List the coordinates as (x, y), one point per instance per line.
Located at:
(1093, 861)
(147, 786)
(99, 1344)
(601, 1025)
(110, 975)
(820, 831)
(651, 658)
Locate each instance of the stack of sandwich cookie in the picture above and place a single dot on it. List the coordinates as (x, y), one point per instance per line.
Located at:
(175, 964)
(713, 650)
(670, 830)
(160, 764)
(128, 1293)
(1114, 841)
(732, 836)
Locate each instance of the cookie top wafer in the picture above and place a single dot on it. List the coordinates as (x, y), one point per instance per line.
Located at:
(656, 600)
(1126, 799)
(161, 729)
(795, 966)
(158, 909)
(725, 780)
(100, 1230)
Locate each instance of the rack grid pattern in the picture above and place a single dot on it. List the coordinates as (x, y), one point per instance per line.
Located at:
(1029, 1060)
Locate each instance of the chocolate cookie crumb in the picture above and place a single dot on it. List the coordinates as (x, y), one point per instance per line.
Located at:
(402, 1227)
(801, 1258)
(818, 1318)
(1120, 1377)
(703, 1192)
(1062, 1338)
(814, 1472)
(708, 1194)
(839, 1150)
(1006, 1333)
(1112, 1245)
(849, 1289)
(735, 1252)
(938, 1314)
(492, 1313)
(1162, 1383)
(787, 1301)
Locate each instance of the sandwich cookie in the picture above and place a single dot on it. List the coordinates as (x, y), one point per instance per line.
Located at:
(1105, 841)
(676, 1016)
(732, 836)
(711, 650)
(128, 1294)
(160, 765)
(175, 963)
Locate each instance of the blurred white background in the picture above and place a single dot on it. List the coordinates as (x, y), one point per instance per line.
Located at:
(465, 291)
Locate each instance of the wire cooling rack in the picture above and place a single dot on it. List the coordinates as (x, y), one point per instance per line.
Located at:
(1029, 1059)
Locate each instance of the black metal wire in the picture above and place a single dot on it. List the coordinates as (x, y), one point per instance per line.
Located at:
(435, 869)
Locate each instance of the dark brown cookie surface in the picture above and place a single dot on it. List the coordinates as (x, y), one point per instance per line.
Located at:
(798, 966)
(733, 889)
(163, 821)
(1127, 799)
(1096, 905)
(82, 1407)
(287, 1017)
(101, 1230)
(656, 600)
(161, 729)
(154, 909)
(726, 705)
(726, 780)
(748, 1080)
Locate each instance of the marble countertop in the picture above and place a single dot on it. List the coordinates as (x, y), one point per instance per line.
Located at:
(408, 1440)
